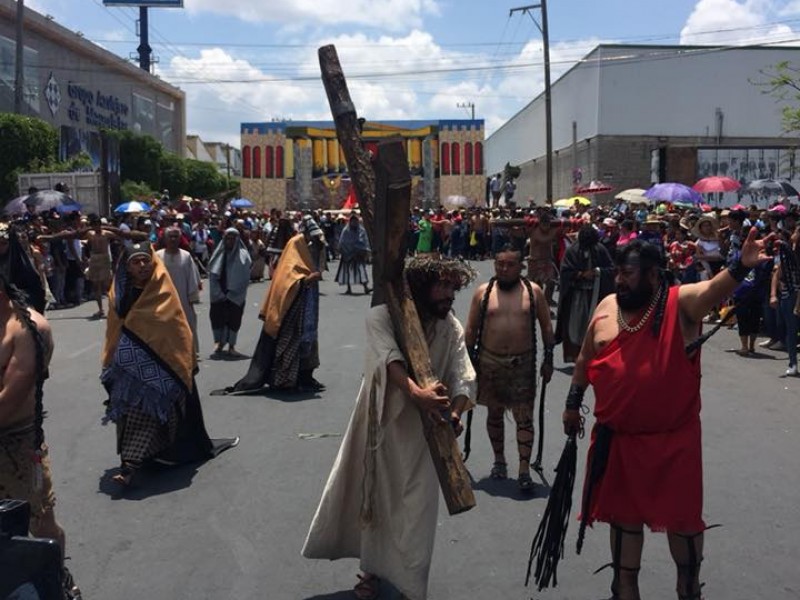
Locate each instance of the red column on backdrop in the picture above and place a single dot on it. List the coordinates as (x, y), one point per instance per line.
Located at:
(246, 162)
(269, 162)
(468, 158)
(456, 151)
(279, 162)
(372, 147)
(257, 162)
(445, 162)
(478, 158)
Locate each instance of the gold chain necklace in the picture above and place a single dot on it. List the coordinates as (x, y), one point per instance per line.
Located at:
(634, 328)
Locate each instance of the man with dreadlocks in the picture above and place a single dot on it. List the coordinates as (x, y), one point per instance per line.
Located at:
(380, 502)
(645, 462)
(501, 333)
(26, 346)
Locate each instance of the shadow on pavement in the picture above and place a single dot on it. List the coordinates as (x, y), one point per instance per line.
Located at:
(507, 488)
(387, 592)
(343, 595)
(151, 480)
(265, 392)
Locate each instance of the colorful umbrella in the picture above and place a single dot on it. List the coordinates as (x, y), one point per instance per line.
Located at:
(241, 203)
(132, 207)
(571, 201)
(716, 184)
(673, 192)
(771, 186)
(594, 187)
(633, 196)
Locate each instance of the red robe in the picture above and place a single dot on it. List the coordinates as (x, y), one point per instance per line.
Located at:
(648, 392)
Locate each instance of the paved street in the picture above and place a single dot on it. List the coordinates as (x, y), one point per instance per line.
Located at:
(232, 528)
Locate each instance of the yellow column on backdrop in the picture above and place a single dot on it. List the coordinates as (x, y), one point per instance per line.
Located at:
(342, 160)
(435, 153)
(288, 158)
(333, 155)
(318, 154)
(414, 153)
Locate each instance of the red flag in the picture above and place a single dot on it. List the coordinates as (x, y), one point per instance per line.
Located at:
(351, 201)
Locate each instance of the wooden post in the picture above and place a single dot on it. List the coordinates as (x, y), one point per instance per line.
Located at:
(385, 207)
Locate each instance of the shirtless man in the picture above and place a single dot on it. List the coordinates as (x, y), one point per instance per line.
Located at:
(99, 238)
(501, 333)
(541, 262)
(480, 226)
(26, 346)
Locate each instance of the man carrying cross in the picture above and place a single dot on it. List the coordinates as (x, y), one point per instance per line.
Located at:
(380, 502)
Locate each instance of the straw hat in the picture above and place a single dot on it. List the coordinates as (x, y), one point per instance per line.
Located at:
(653, 219)
(705, 218)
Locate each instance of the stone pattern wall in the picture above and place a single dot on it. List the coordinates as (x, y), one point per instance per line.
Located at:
(471, 186)
(264, 193)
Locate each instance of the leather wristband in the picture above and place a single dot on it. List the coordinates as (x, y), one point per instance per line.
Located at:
(575, 397)
(736, 269)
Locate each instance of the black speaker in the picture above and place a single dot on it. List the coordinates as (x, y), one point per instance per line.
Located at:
(30, 568)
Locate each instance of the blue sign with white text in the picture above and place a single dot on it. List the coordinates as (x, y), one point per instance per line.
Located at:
(155, 3)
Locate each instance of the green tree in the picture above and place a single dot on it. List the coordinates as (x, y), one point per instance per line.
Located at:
(204, 179)
(23, 140)
(140, 158)
(783, 82)
(136, 190)
(174, 174)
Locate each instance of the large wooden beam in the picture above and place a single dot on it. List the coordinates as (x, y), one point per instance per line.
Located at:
(385, 208)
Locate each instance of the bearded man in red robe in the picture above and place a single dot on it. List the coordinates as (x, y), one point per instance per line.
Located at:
(645, 458)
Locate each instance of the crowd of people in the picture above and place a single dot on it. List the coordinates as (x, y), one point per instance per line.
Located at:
(574, 248)
(152, 268)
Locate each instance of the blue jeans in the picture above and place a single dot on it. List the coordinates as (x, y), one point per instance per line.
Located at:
(789, 320)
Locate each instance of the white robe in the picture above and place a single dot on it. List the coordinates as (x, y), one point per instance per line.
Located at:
(186, 279)
(398, 544)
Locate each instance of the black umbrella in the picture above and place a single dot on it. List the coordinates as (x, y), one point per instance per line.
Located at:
(45, 200)
(772, 186)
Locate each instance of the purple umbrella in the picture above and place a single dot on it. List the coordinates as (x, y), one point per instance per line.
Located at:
(46, 200)
(673, 192)
(16, 206)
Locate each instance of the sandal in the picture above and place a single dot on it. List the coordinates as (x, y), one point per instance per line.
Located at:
(124, 476)
(367, 588)
(525, 482)
(499, 471)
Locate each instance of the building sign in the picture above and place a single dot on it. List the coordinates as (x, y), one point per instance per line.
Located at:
(95, 108)
(155, 3)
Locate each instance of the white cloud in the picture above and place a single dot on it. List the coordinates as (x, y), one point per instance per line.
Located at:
(430, 82)
(736, 22)
(393, 15)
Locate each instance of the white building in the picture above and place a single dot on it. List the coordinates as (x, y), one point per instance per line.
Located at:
(634, 115)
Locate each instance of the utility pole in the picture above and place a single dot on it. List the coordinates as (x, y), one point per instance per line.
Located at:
(19, 76)
(469, 105)
(548, 113)
(144, 48)
(228, 162)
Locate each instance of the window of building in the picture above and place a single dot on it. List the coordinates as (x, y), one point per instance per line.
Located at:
(478, 158)
(456, 151)
(279, 162)
(257, 162)
(246, 162)
(445, 158)
(269, 159)
(468, 158)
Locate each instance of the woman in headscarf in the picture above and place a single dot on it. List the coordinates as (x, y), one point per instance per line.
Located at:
(148, 369)
(228, 276)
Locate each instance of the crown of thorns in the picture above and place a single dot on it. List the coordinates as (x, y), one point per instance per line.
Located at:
(433, 268)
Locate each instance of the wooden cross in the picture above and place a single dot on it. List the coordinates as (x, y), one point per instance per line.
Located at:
(383, 189)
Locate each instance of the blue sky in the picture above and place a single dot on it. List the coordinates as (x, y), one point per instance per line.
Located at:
(255, 60)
